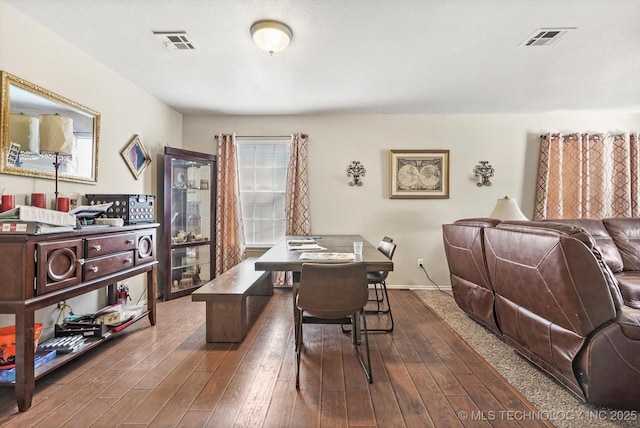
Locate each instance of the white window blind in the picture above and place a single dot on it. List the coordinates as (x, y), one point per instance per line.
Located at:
(262, 164)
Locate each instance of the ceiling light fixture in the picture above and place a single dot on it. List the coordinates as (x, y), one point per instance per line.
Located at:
(271, 36)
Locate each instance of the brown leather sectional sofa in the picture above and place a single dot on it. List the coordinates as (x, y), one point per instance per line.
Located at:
(564, 293)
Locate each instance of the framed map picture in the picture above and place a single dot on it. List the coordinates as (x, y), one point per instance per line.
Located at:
(419, 174)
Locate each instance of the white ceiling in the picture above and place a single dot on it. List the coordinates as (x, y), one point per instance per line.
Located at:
(364, 56)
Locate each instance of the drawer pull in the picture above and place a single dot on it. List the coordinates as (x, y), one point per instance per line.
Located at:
(130, 241)
(97, 247)
(128, 260)
(94, 268)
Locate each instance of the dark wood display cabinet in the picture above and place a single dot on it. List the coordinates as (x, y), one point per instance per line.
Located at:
(38, 271)
(189, 221)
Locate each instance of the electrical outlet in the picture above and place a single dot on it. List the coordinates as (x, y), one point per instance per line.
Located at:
(420, 263)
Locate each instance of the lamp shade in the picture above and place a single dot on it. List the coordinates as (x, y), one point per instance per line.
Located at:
(271, 36)
(56, 134)
(507, 209)
(23, 130)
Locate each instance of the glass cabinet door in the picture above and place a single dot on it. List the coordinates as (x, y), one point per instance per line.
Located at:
(189, 221)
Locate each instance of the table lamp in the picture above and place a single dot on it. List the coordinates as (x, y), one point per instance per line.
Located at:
(56, 137)
(507, 209)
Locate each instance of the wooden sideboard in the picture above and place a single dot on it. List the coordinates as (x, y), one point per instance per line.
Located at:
(41, 270)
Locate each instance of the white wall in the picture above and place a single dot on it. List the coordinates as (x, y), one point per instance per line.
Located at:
(31, 52)
(508, 142)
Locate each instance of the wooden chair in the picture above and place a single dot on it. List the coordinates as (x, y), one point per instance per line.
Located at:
(332, 293)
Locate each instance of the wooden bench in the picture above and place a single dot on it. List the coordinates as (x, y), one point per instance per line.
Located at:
(226, 300)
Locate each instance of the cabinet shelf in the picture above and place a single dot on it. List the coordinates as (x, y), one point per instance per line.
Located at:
(62, 359)
(186, 265)
(190, 244)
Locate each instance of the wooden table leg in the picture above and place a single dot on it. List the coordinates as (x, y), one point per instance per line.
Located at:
(25, 350)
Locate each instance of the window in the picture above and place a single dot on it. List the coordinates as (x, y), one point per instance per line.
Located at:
(262, 165)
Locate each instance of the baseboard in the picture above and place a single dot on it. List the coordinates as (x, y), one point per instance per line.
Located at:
(418, 287)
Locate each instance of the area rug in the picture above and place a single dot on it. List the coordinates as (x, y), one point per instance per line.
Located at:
(554, 402)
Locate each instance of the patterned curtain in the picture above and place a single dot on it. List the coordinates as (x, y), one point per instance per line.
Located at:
(588, 176)
(297, 213)
(230, 244)
(297, 198)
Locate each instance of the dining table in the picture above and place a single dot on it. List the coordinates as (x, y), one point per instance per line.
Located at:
(334, 249)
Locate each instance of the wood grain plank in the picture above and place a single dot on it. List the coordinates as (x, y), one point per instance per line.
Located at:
(333, 411)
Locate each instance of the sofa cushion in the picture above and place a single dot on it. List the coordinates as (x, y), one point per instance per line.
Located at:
(626, 234)
(604, 242)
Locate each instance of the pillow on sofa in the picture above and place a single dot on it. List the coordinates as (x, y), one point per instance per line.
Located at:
(626, 235)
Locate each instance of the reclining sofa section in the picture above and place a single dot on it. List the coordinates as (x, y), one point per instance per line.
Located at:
(564, 293)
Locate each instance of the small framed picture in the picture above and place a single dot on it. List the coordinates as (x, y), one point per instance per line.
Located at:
(419, 174)
(180, 177)
(136, 156)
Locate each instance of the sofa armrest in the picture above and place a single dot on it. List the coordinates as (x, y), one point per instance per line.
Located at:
(478, 222)
(629, 320)
(629, 284)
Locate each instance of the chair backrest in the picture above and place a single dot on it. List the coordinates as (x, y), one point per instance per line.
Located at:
(387, 248)
(331, 291)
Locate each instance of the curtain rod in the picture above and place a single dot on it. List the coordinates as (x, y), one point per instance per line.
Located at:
(265, 136)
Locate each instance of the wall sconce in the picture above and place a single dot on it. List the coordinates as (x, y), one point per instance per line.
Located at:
(356, 170)
(484, 171)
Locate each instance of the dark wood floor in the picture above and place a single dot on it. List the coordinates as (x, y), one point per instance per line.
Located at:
(167, 376)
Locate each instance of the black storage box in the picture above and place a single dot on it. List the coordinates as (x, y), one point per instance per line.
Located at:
(133, 209)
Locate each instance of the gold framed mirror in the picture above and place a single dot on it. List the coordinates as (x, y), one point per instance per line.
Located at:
(37, 125)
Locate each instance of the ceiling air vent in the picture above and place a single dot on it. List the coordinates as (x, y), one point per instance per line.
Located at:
(176, 40)
(546, 36)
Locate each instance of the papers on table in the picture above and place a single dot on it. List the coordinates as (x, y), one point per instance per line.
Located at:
(303, 245)
(91, 211)
(328, 256)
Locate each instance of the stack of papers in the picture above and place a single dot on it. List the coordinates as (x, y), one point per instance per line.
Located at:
(303, 245)
(40, 215)
(328, 256)
(25, 219)
(31, 227)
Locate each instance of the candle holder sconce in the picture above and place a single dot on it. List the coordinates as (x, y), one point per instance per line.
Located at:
(483, 171)
(356, 170)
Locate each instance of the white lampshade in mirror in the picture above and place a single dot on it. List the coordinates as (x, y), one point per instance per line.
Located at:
(23, 130)
(271, 36)
(56, 134)
(507, 209)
